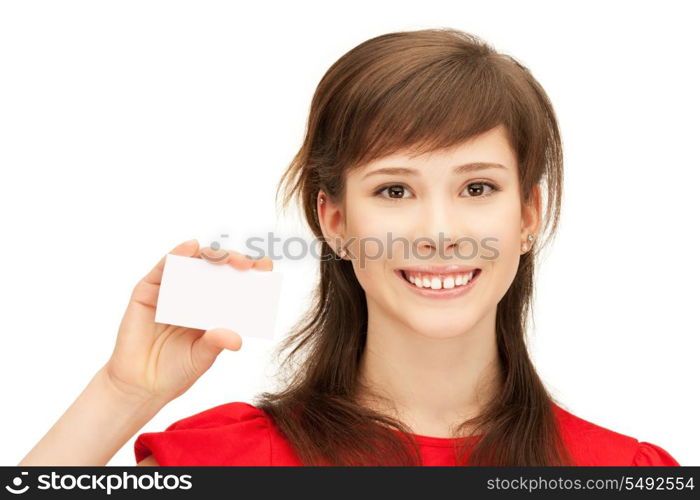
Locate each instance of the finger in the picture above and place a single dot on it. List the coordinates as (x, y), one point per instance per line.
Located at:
(145, 293)
(219, 256)
(223, 338)
(226, 256)
(264, 264)
(188, 249)
(240, 261)
(208, 346)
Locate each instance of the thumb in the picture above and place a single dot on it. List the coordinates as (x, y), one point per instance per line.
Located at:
(208, 346)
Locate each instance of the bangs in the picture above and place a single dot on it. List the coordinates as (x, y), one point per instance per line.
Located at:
(418, 105)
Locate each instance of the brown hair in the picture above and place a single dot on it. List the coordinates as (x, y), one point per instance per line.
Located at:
(421, 91)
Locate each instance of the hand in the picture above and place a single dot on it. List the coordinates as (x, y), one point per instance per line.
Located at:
(157, 361)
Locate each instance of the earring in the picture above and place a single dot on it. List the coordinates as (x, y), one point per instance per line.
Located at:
(530, 239)
(320, 202)
(342, 252)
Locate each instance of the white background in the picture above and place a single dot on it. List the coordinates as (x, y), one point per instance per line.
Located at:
(129, 127)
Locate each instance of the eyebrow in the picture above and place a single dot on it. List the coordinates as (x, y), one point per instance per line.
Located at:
(459, 169)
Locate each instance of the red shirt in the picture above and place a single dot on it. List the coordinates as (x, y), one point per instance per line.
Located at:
(241, 434)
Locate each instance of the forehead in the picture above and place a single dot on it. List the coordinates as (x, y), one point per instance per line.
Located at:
(488, 151)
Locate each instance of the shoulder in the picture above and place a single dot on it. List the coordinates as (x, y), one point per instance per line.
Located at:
(233, 433)
(592, 444)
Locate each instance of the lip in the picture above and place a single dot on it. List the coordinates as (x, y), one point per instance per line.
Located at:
(443, 293)
(433, 269)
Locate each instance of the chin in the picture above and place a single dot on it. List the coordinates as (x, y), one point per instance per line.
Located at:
(429, 328)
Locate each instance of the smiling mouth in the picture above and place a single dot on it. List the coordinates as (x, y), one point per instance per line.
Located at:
(425, 281)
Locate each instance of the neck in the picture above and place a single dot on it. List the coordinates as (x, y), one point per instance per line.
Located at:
(431, 384)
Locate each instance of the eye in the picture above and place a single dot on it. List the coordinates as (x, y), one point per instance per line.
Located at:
(395, 192)
(479, 190)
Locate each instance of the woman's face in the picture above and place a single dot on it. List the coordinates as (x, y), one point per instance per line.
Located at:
(431, 213)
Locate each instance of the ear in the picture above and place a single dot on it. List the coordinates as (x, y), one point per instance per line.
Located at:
(531, 216)
(331, 218)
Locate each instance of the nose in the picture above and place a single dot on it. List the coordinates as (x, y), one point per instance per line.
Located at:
(439, 230)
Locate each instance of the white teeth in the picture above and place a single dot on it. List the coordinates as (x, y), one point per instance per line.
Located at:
(436, 282)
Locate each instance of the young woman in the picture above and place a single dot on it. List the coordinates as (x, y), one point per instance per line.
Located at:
(424, 168)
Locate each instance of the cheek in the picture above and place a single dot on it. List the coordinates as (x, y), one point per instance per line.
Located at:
(500, 250)
(370, 234)
(491, 233)
(499, 244)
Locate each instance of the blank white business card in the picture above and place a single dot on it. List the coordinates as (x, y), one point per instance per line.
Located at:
(195, 293)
